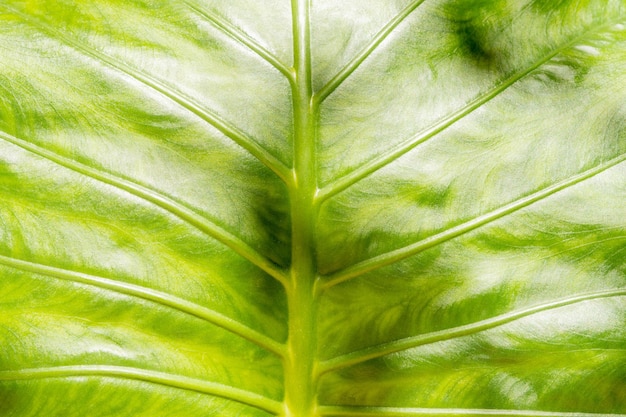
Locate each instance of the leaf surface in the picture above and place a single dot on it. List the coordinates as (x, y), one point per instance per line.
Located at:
(313, 208)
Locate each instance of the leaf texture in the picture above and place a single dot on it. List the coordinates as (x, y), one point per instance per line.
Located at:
(313, 208)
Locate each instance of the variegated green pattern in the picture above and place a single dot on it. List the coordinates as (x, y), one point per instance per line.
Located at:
(312, 208)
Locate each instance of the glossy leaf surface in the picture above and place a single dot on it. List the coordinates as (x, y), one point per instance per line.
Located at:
(312, 208)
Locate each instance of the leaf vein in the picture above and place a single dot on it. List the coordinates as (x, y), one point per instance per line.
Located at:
(166, 203)
(356, 411)
(188, 103)
(349, 68)
(396, 255)
(405, 146)
(155, 377)
(152, 295)
(384, 349)
(240, 36)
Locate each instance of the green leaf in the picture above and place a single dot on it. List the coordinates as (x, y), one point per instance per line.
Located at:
(317, 208)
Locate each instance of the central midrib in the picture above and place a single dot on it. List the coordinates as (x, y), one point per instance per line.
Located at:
(300, 381)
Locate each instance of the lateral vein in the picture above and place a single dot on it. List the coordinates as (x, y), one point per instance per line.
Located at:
(155, 377)
(384, 349)
(405, 146)
(393, 256)
(347, 70)
(188, 103)
(355, 411)
(240, 36)
(152, 295)
(173, 207)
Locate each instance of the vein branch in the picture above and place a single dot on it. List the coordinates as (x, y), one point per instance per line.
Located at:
(384, 349)
(188, 103)
(405, 146)
(149, 294)
(155, 377)
(391, 257)
(346, 71)
(164, 202)
(354, 411)
(243, 38)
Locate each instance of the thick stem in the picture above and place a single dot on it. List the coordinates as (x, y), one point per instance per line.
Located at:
(300, 361)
